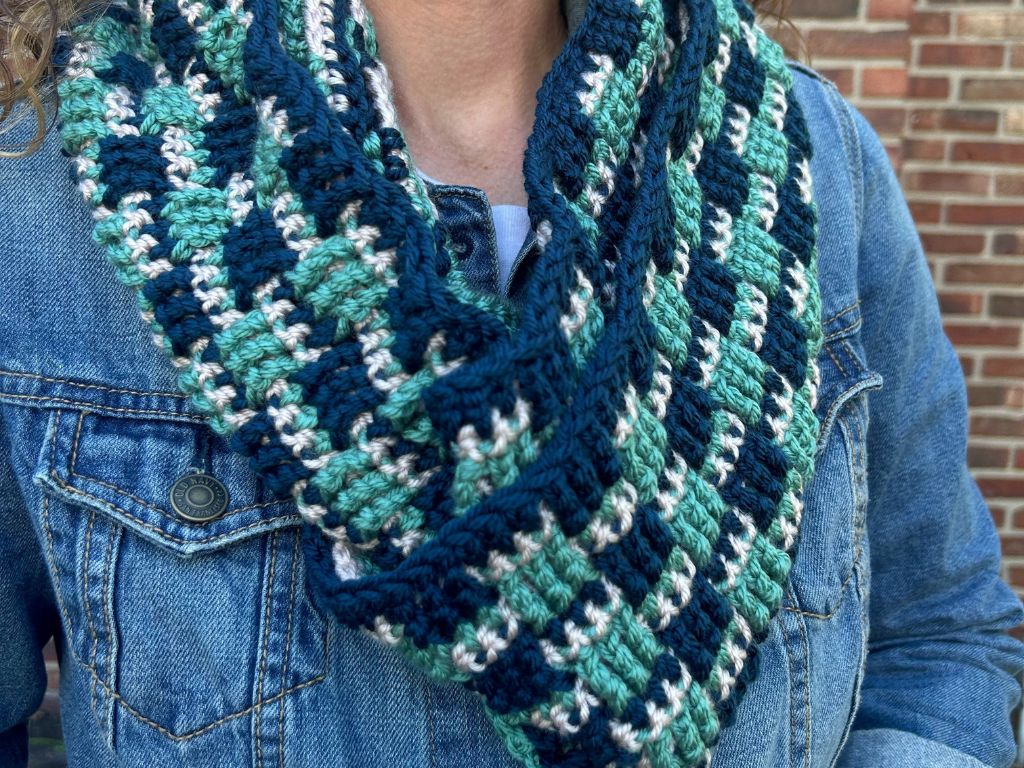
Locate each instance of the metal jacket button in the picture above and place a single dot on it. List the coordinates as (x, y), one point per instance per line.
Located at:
(199, 497)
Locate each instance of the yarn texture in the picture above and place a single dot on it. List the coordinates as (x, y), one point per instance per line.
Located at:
(584, 511)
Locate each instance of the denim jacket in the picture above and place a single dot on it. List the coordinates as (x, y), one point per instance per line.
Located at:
(195, 644)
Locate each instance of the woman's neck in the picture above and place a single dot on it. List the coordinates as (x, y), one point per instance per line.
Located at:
(465, 76)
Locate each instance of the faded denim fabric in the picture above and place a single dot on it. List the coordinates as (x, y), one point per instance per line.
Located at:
(194, 644)
(466, 216)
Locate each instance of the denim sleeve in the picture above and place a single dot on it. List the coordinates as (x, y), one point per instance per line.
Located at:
(941, 671)
(27, 615)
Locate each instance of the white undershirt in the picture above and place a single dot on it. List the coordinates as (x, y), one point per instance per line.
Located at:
(511, 225)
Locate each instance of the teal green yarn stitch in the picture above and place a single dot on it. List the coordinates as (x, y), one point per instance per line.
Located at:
(586, 511)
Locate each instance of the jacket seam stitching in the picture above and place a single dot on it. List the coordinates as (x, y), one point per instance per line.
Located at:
(52, 561)
(836, 361)
(85, 604)
(53, 566)
(85, 385)
(164, 513)
(189, 735)
(838, 314)
(73, 472)
(113, 543)
(833, 612)
(102, 407)
(287, 650)
(849, 308)
(808, 715)
(75, 491)
(845, 330)
(268, 590)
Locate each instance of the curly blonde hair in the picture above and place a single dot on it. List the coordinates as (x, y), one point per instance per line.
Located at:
(28, 37)
(28, 33)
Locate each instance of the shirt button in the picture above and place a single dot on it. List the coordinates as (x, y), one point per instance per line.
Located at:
(199, 497)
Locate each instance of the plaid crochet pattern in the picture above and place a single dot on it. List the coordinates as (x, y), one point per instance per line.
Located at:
(585, 511)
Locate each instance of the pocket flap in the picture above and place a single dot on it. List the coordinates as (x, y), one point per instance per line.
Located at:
(127, 468)
(844, 374)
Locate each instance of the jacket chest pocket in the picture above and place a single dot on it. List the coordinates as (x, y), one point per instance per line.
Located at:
(180, 581)
(833, 526)
(825, 627)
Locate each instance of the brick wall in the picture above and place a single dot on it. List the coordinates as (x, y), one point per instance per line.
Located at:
(943, 84)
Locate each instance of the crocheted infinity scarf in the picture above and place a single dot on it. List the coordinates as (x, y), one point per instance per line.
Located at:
(584, 512)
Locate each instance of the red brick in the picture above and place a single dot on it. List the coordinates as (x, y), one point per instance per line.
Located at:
(1017, 56)
(998, 426)
(960, 303)
(990, 274)
(1013, 546)
(1005, 367)
(52, 676)
(1002, 487)
(988, 456)
(924, 149)
(991, 215)
(1008, 244)
(1000, 89)
(970, 120)
(929, 23)
(895, 152)
(991, 24)
(1000, 305)
(822, 9)
(966, 363)
(1018, 463)
(950, 181)
(983, 335)
(1015, 575)
(925, 212)
(1003, 153)
(1010, 186)
(1001, 514)
(978, 120)
(928, 87)
(855, 43)
(841, 77)
(890, 9)
(924, 120)
(884, 82)
(949, 242)
(886, 120)
(995, 395)
(960, 55)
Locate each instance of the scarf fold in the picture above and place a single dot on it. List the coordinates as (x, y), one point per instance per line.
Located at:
(585, 512)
